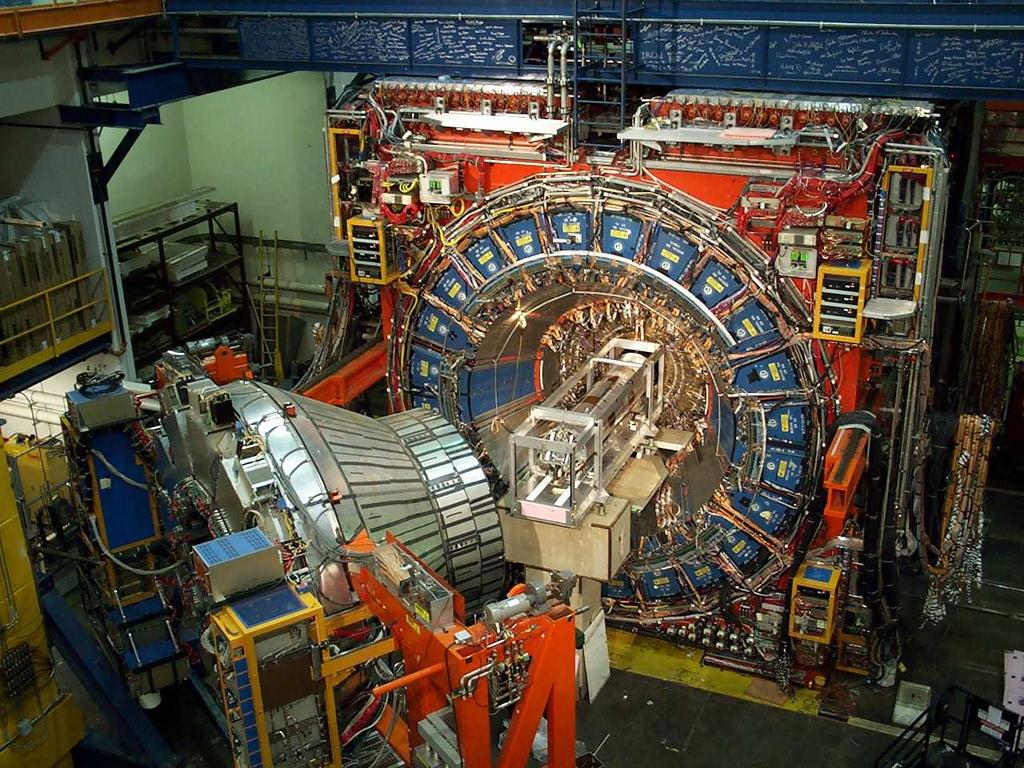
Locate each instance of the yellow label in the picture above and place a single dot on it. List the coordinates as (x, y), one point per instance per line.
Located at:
(524, 239)
(751, 329)
(432, 323)
(661, 581)
(571, 227)
(424, 368)
(702, 571)
(422, 612)
(454, 290)
(783, 466)
(785, 422)
(738, 546)
(773, 369)
(486, 256)
(412, 623)
(715, 284)
(620, 234)
(667, 254)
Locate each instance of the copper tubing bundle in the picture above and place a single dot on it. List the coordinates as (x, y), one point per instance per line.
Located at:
(956, 562)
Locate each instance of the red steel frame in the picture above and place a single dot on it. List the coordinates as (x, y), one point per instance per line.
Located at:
(436, 664)
(365, 369)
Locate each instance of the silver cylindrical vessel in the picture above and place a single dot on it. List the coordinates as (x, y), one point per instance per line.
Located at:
(411, 474)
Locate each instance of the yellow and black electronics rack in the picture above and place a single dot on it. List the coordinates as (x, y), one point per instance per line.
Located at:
(839, 301)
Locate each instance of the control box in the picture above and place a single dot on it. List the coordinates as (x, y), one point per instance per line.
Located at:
(839, 302)
(371, 252)
(439, 186)
(87, 412)
(797, 261)
(237, 563)
(428, 598)
(812, 614)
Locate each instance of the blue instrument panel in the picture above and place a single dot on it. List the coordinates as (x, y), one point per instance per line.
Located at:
(620, 234)
(715, 284)
(435, 326)
(571, 230)
(671, 254)
(522, 237)
(485, 255)
(452, 289)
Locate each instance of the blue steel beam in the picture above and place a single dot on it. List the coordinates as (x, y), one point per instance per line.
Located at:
(79, 650)
(109, 116)
(918, 48)
(915, 14)
(147, 84)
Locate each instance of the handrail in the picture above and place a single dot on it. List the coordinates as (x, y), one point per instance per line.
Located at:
(56, 341)
(931, 727)
(911, 737)
(50, 289)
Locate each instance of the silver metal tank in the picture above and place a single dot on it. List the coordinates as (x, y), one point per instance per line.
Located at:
(410, 473)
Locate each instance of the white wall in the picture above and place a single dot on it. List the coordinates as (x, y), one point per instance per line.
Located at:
(157, 167)
(262, 145)
(51, 166)
(259, 144)
(29, 83)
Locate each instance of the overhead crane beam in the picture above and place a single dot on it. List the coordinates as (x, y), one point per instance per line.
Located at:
(908, 49)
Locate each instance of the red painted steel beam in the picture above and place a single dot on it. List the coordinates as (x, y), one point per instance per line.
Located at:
(352, 379)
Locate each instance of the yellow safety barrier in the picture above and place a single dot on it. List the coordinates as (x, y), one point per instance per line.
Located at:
(46, 329)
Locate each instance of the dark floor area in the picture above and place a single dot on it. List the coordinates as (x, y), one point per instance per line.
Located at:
(967, 649)
(652, 723)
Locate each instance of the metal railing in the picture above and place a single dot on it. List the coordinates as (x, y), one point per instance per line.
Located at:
(44, 325)
(959, 722)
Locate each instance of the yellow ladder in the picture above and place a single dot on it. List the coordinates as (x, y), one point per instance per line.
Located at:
(269, 313)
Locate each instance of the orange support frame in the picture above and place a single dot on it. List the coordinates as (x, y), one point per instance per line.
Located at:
(844, 466)
(364, 370)
(352, 379)
(440, 662)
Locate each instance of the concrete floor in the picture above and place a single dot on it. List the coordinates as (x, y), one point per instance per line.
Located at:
(646, 722)
(651, 723)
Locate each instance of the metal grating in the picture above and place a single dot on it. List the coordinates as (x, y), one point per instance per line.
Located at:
(16, 670)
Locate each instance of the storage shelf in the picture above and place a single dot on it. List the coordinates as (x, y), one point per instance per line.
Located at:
(219, 262)
(216, 261)
(148, 358)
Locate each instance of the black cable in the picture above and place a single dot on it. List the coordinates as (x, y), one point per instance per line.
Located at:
(93, 383)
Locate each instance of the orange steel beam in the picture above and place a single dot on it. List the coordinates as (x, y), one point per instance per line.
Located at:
(844, 466)
(353, 378)
(440, 663)
(35, 19)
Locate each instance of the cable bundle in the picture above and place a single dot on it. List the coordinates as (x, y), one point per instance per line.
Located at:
(957, 568)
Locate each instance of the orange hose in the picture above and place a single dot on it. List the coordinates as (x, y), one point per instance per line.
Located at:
(404, 680)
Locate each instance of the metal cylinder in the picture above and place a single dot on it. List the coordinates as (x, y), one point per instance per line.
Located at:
(503, 610)
(411, 474)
